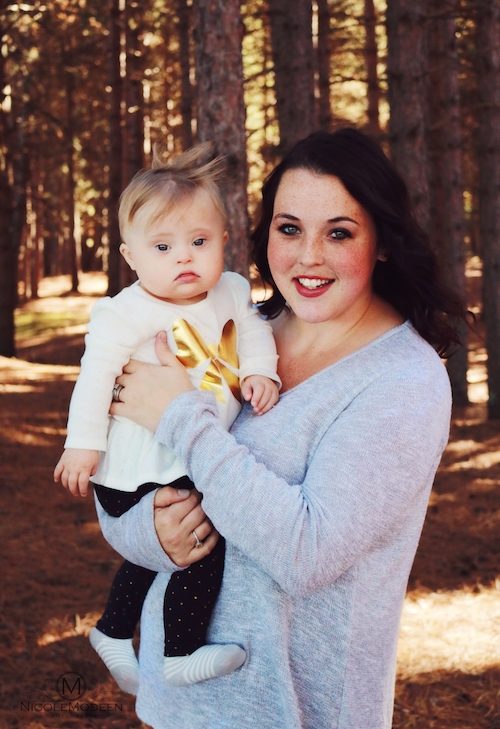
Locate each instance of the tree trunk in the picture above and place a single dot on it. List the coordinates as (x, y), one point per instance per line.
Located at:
(324, 56)
(371, 61)
(134, 150)
(488, 156)
(218, 30)
(447, 229)
(184, 62)
(73, 256)
(291, 36)
(115, 151)
(406, 78)
(8, 270)
(15, 167)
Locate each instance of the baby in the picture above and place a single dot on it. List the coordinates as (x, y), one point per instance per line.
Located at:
(172, 223)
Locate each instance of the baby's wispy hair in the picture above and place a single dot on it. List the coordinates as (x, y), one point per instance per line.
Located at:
(172, 179)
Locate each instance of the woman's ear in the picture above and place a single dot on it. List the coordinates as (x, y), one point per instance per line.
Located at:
(125, 251)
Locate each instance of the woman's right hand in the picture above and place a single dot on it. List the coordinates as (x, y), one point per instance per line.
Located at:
(177, 513)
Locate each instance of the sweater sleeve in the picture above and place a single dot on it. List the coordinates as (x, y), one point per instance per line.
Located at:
(256, 347)
(112, 338)
(133, 535)
(367, 480)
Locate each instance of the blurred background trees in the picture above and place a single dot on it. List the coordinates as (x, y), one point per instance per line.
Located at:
(88, 86)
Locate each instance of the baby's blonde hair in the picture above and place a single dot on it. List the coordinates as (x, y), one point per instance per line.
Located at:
(171, 179)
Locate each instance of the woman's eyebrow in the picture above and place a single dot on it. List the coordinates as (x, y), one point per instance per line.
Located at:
(342, 217)
(288, 216)
(339, 219)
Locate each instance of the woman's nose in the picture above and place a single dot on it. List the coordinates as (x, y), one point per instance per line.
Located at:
(311, 251)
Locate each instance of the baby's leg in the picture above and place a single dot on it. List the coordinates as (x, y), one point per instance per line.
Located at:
(126, 598)
(189, 601)
(112, 636)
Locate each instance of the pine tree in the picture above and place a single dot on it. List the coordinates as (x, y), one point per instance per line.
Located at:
(488, 157)
(217, 31)
(406, 79)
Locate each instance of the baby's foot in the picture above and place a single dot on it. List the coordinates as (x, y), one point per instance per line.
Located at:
(120, 659)
(209, 661)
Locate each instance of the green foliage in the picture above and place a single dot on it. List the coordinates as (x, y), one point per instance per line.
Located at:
(29, 323)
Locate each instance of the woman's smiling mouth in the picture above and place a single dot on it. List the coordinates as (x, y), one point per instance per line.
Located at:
(312, 287)
(314, 283)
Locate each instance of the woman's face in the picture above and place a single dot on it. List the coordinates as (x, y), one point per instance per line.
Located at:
(322, 248)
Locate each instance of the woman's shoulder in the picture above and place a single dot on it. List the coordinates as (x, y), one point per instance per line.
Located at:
(399, 360)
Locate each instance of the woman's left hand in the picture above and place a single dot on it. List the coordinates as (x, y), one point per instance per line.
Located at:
(148, 389)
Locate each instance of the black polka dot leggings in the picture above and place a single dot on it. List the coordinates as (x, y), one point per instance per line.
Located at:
(190, 596)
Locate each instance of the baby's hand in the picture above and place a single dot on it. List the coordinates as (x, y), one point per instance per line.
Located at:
(262, 393)
(75, 467)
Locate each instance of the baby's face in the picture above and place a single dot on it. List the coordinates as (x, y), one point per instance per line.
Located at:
(180, 256)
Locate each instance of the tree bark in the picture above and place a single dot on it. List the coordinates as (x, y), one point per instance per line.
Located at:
(488, 157)
(134, 149)
(371, 61)
(291, 36)
(447, 229)
(218, 32)
(406, 78)
(324, 56)
(70, 161)
(15, 167)
(8, 270)
(115, 151)
(185, 66)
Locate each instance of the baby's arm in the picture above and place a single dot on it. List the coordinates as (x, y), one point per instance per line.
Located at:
(262, 392)
(257, 354)
(74, 469)
(113, 337)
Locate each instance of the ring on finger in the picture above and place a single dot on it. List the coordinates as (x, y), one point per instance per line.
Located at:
(198, 543)
(116, 392)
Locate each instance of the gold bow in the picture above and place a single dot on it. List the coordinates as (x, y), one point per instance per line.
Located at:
(192, 351)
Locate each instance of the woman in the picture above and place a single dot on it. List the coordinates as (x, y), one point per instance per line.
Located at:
(321, 500)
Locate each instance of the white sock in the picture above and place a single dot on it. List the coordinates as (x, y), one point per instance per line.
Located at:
(209, 661)
(119, 656)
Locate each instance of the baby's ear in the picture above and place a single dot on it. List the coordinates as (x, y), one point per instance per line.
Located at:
(226, 236)
(125, 251)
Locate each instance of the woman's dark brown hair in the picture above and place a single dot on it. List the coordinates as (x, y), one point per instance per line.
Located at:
(409, 280)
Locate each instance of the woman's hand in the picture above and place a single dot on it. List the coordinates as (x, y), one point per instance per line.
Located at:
(148, 389)
(175, 521)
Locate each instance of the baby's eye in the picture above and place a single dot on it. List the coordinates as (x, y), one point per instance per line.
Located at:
(340, 234)
(162, 247)
(288, 229)
(199, 241)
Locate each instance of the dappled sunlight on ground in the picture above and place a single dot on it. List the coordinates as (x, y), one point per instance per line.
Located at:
(452, 631)
(61, 628)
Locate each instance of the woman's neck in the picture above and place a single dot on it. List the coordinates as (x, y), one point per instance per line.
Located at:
(306, 348)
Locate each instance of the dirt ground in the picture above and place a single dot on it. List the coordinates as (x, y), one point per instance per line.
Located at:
(57, 567)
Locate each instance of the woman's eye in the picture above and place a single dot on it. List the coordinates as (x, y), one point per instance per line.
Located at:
(163, 247)
(340, 234)
(199, 241)
(288, 229)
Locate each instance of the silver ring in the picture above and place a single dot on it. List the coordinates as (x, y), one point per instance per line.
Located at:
(116, 392)
(198, 543)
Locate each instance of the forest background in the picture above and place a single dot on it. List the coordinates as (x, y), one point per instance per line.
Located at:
(86, 88)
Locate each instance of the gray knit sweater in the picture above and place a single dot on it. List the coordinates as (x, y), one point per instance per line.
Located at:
(322, 502)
